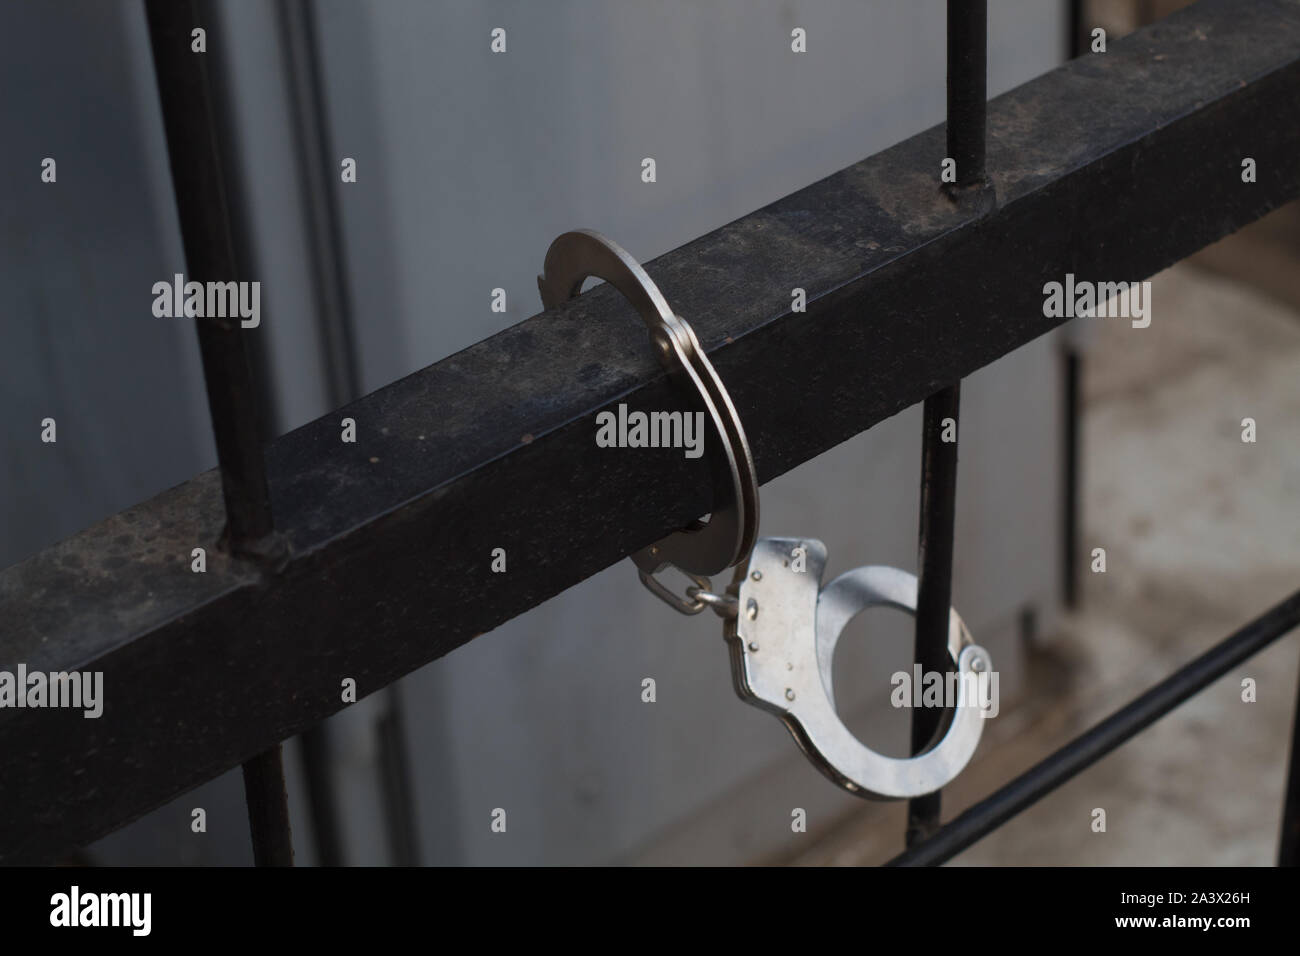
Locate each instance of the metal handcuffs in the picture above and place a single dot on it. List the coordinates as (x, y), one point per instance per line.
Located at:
(781, 624)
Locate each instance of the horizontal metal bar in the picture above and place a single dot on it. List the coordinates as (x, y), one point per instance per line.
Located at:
(1084, 751)
(1112, 167)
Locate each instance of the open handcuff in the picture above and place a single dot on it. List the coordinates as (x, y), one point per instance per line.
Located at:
(781, 624)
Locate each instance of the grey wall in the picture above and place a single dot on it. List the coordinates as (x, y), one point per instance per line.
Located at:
(469, 164)
(77, 260)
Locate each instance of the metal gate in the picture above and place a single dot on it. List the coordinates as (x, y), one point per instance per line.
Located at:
(910, 287)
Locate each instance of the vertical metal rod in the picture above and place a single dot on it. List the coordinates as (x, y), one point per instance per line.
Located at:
(1288, 852)
(1073, 369)
(191, 119)
(1074, 28)
(967, 94)
(967, 87)
(934, 596)
(268, 809)
(197, 127)
(1071, 385)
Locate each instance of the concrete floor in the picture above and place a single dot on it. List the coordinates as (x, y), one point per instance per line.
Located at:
(1201, 536)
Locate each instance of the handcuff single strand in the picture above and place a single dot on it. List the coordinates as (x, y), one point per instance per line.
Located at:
(781, 623)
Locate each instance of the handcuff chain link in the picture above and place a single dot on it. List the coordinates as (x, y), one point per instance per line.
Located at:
(699, 595)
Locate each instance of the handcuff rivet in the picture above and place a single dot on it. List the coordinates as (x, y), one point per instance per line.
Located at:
(789, 694)
(757, 575)
(751, 609)
(753, 645)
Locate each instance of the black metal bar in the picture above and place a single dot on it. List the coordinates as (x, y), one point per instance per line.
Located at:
(197, 127)
(1087, 749)
(1288, 852)
(967, 87)
(192, 122)
(934, 588)
(492, 447)
(1074, 31)
(1072, 384)
(268, 809)
(964, 129)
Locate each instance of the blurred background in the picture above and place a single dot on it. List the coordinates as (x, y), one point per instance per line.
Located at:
(468, 164)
